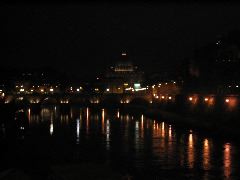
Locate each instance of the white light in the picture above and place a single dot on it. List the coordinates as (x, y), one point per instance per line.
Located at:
(0, 90)
(42, 90)
(227, 100)
(206, 99)
(107, 89)
(21, 85)
(169, 97)
(236, 86)
(78, 90)
(21, 90)
(31, 90)
(190, 98)
(51, 89)
(163, 97)
(141, 89)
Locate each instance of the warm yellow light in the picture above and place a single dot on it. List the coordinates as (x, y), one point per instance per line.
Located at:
(157, 97)
(42, 90)
(206, 99)
(169, 97)
(163, 97)
(96, 89)
(227, 100)
(21, 90)
(190, 98)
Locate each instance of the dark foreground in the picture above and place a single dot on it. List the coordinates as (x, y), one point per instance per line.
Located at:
(88, 143)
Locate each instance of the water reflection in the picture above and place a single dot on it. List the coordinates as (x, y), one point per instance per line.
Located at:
(170, 133)
(103, 121)
(139, 139)
(51, 128)
(190, 151)
(108, 135)
(78, 130)
(163, 129)
(206, 155)
(87, 120)
(227, 160)
(118, 114)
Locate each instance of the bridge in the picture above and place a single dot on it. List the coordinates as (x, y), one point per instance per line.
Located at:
(78, 98)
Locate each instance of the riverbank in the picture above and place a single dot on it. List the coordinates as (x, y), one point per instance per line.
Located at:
(219, 125)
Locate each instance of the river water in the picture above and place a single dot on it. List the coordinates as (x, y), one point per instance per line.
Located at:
(135, 145)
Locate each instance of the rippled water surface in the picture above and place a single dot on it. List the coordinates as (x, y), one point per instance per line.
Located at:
(145, 148)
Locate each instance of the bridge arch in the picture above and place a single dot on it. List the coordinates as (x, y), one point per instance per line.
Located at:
(139, 101)
(49, 101)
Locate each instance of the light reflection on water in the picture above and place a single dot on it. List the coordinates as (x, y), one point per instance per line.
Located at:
(139, 137)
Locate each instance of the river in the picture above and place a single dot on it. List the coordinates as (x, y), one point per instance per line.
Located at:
(132, 145)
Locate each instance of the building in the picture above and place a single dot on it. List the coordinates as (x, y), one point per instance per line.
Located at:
(122, 77)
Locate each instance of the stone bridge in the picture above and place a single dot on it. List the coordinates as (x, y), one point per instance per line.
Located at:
(79, 98)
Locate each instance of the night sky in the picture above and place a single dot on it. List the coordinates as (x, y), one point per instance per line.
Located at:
(87, 38)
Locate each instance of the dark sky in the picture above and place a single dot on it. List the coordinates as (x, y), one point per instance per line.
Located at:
(87, 38)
